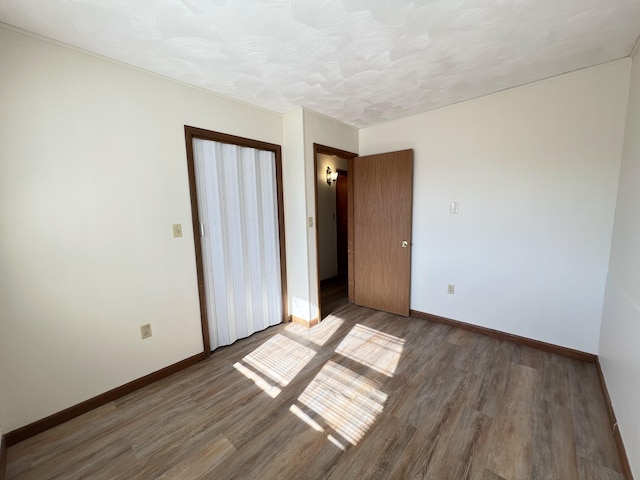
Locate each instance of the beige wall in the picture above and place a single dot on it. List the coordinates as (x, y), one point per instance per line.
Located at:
(92, 176)
(620, 331)
(296, 216)
(534, 170)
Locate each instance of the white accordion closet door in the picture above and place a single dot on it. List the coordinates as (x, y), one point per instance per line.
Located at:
(238, 209)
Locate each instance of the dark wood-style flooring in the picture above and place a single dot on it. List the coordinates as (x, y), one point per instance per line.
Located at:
(333, 294)
(364, 394)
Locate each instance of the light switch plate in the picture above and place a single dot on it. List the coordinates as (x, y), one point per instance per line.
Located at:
(145, 331)
(177, 230)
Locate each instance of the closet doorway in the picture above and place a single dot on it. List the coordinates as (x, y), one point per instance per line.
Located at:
(238, 227)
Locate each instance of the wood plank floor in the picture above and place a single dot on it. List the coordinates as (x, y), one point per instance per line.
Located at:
(364, 394)
(333, 294)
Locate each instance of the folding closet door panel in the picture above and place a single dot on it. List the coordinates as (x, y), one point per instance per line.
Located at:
(237, 205)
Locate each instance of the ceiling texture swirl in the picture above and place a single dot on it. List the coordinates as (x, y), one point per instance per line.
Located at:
(359, 61)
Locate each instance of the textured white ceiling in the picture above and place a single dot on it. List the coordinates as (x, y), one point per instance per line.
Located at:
(359, 61)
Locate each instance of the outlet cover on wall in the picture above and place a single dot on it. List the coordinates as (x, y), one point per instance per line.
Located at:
(451, 289)
(145, 331)
(177, 230)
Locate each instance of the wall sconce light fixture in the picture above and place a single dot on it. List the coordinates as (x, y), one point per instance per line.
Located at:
(331, 176)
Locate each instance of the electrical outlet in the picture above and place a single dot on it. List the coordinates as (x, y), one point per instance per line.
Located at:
(310, 222)
(454, 207)
(177, 230)
(451, 289)
(145, 331)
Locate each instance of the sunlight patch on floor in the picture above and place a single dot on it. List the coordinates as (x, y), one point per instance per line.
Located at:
(377, 350)
(337, 443)
(345, 401)
(297, 411)
(318, 334)
(275, 363)
(260, 382)
(280, 359)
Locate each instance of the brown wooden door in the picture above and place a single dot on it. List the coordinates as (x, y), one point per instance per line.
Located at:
(382, 191)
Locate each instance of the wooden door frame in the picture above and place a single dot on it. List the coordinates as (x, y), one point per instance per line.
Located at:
(349, 156)
(193, 132)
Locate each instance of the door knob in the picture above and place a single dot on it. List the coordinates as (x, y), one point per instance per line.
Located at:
(404, 244)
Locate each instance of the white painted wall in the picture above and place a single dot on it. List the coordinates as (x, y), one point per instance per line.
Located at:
(535, 171)
(331, 133)
(301, 130)
(294, 176)
(620, 332)
(327, 224)
(93, 174)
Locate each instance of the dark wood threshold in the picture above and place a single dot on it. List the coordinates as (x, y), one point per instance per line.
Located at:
(622, 452)
(3, 456)
(547, 347)
(51, 421)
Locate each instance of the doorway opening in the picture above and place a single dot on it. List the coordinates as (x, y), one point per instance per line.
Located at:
(332, 226)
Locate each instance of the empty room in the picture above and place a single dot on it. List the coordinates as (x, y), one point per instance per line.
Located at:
(319, 239)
